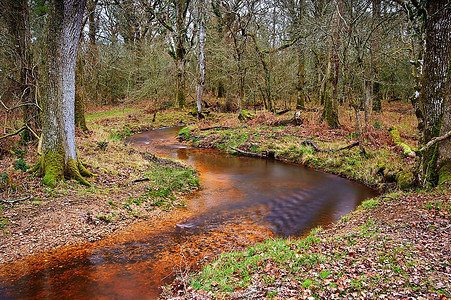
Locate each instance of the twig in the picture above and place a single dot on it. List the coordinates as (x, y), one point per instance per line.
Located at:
(13, 133)
(15, 201)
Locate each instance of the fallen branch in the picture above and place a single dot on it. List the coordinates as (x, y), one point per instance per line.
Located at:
(266, 154)
(434, 141)
(216, 128)
(317, 148)
(15, 201)
(141, 180)
(283, 112)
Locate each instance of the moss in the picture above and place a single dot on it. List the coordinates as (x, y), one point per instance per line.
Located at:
(405, 180)
(444, 173)
(245, 115)
(407, 151)
(53, 168)
(394, 134)
(72, 171)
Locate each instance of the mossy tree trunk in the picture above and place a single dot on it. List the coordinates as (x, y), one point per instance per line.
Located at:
(300, 100)
(180, 51)
(330, 113)
(59, 158)
(434, 116)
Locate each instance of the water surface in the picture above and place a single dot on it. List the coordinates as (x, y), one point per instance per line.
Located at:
(242, 201)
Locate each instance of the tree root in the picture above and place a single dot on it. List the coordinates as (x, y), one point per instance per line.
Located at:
(56, 170)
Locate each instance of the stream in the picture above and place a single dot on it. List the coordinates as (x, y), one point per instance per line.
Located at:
(242, 201)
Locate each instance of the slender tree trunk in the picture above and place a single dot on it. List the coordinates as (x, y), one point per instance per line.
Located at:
(59, 157)
(18, 24)
(180, 53)
(80, 101)
(435, 95)
(376, 96)
(200, 87)
(367, 103)
(330, 113)
(300, 101)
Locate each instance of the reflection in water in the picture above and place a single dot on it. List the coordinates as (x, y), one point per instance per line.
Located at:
(243, 200)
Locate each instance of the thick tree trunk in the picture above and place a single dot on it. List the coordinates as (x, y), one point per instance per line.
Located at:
(435, 95)
(59, 157)
(200, 87)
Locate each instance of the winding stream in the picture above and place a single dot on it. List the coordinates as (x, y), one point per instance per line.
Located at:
(242, 201)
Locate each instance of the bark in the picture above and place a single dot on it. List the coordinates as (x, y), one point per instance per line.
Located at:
(435, 95)
(330, 113)
(376, 96)
(300, 101)
(59, 157)
(18, 24)
(368, 102)
(180, 51)
(200, 87)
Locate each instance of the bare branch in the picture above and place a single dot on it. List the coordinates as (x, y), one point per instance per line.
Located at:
(435, 140)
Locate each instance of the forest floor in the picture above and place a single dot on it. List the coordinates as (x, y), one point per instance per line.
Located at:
(129, 186)
(394, 246)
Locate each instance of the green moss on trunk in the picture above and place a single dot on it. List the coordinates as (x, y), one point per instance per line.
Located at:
(53, 167)
(444, 173)
(72, 171)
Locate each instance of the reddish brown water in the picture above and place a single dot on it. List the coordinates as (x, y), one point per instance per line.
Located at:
(243, 201)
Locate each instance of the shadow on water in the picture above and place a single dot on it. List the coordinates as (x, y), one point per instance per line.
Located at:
(243, 201)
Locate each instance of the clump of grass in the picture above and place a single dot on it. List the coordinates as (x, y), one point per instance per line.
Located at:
(370, 203)
(167, 182)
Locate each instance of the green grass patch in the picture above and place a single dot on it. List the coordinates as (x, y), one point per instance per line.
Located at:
(235, 269)
(119, 113)
(167, 181)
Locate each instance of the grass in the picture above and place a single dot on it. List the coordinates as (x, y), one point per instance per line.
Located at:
(233, 270)
(120, 113)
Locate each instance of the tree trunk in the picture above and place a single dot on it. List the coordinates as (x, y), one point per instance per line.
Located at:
(18, 24)
(376, 96)
(180, 52)
(200, 87)
(367, 103)
(330, 113)
(435, 95)
(181, 83)
(59, 157)
(300, 101)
